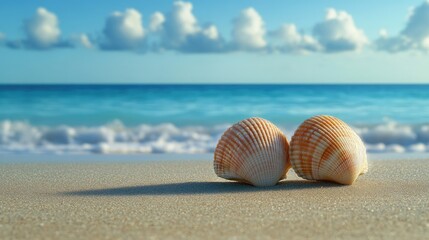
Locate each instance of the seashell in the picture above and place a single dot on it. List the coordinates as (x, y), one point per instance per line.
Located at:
(253, 151)
(326, 148)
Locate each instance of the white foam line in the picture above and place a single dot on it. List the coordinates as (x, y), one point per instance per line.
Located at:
(115, 138)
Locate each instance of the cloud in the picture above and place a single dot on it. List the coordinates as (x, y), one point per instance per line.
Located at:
(181, 23)
(42, 29)
(338, 32)
(123, 31)
(248, 30)
(179, 30)
(205, 40)
(42, 32)
(156, 22)
(182, 32)
(415, 35)
(82, 40)
(289, 40)
(393, 44)
(418, 24)
(2, 39)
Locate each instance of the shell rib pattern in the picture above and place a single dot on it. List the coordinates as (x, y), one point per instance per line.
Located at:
(326, 148)
(253, 151)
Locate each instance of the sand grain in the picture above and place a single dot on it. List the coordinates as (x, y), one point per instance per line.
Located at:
(186, 200)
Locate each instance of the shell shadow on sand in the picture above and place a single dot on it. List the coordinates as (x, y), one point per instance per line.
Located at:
(192, 188)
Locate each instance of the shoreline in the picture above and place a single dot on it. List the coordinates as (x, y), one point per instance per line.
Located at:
(186, 200)
(163, 157)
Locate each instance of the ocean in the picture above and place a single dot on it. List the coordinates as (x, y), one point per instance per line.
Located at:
(113, 119)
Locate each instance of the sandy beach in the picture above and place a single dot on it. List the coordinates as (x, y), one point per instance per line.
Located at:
(185, 199)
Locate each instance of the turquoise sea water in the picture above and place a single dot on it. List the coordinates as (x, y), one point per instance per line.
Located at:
(191, 118)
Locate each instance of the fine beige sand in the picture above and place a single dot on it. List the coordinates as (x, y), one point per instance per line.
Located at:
(170, 200)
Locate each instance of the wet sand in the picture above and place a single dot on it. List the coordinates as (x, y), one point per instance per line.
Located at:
(185, 199)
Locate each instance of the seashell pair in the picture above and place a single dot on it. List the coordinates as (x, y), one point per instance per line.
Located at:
(256, 152)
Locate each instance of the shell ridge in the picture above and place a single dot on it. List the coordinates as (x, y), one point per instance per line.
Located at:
(253, 151)
(249, 168)
(232, 141)
(326, 148)
(267, 155)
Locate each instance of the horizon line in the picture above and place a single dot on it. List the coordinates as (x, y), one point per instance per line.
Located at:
(201, 84)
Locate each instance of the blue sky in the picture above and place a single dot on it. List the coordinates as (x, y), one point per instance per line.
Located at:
(214, 41)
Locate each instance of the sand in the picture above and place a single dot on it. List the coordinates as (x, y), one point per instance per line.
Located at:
(184, 199)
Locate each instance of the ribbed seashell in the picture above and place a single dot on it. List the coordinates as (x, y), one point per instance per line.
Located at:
(326, 148)
(253, 151)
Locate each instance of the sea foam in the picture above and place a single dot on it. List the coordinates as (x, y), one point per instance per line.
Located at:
(115, 137)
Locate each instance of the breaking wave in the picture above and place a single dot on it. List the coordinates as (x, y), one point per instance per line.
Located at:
(115, 137)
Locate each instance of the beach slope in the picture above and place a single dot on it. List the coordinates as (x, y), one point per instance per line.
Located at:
(185, 199)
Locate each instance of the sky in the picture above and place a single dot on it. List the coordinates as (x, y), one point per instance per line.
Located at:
(223, 41)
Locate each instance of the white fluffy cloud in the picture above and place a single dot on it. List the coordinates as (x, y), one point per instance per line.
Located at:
(248, 30)
(124, 30)
(393, 44)
(338, 32)
(43, 32)
(2, 38)
(418, 24)
(82, 40)
(156, 22)
(42, 29)
(181, 23)
(205, 40)
(415, 36)
(288, 39)
(182, 31)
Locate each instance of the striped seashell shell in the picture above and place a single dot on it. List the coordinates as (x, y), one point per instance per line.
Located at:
(326, 148)
(253, 151)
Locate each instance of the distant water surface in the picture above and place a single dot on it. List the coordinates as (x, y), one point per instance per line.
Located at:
(191, 118)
